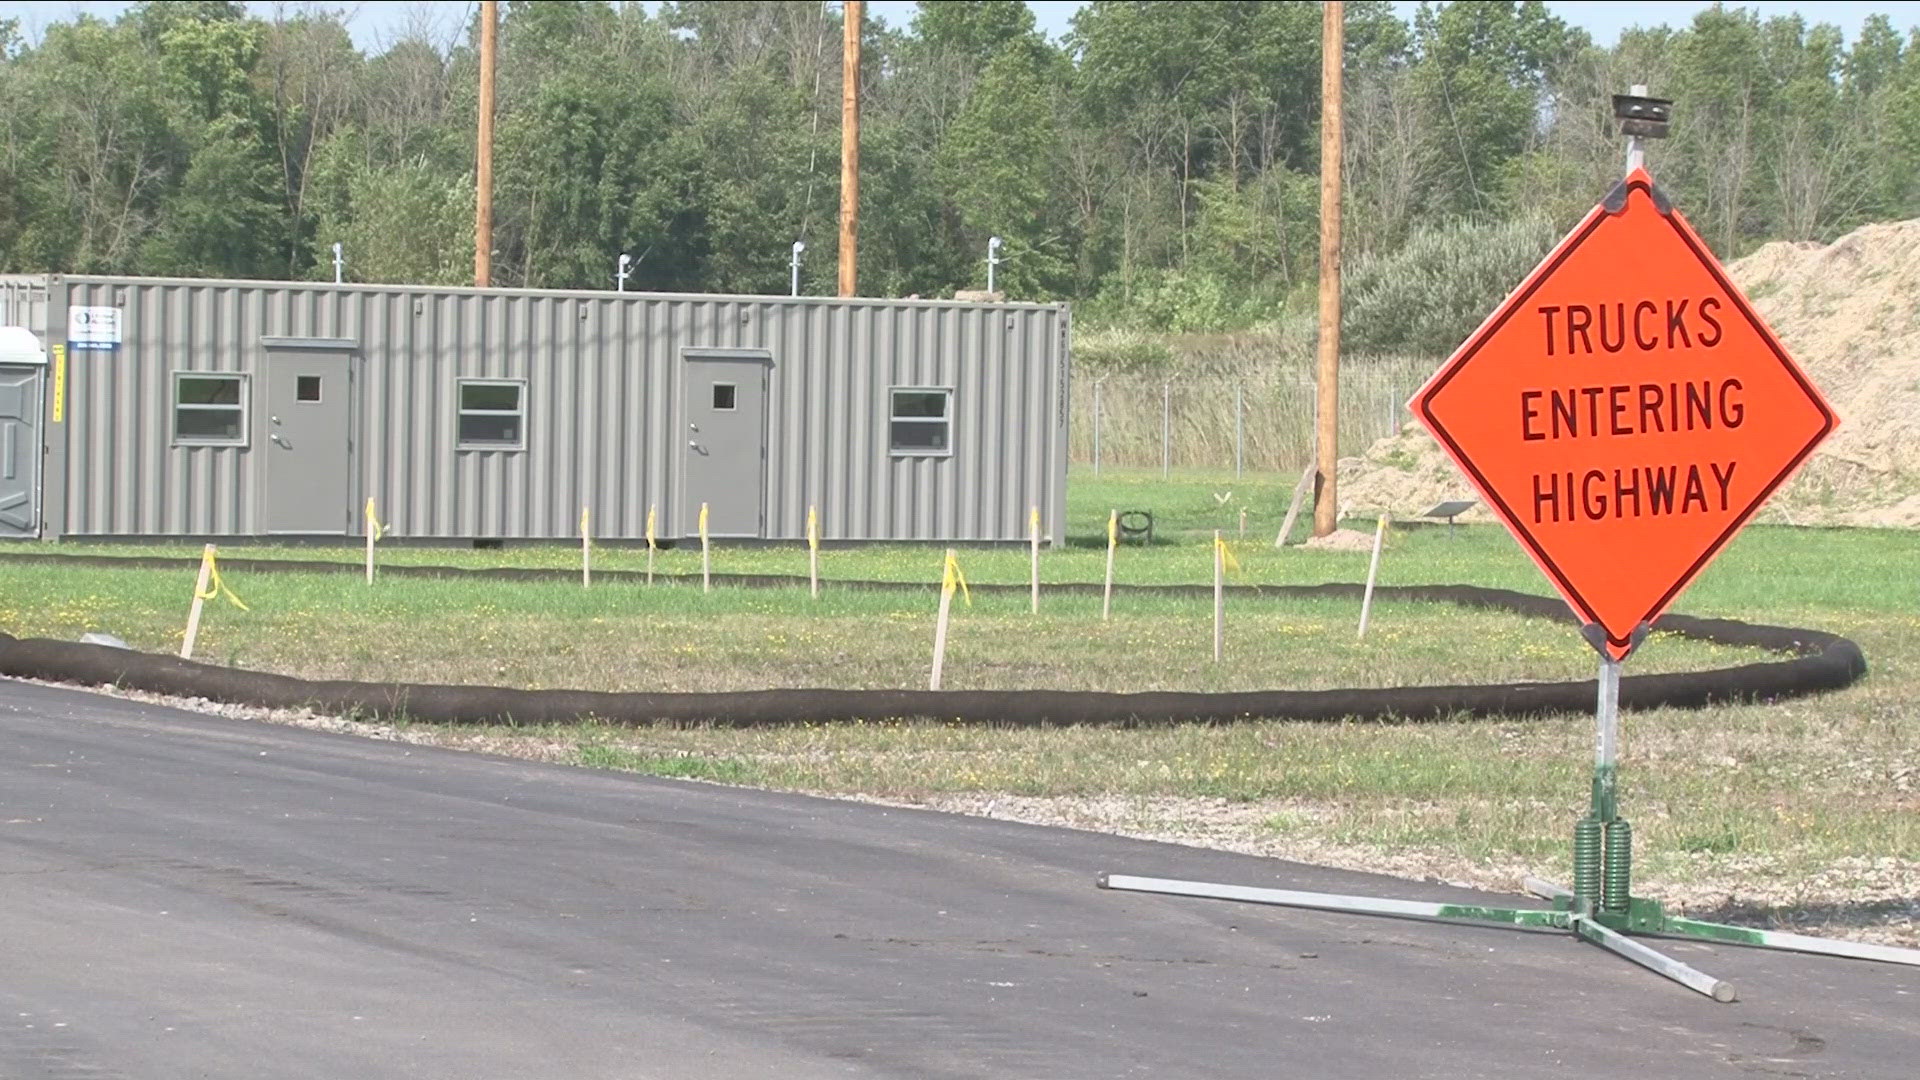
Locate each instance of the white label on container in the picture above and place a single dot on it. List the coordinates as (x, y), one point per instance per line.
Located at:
(93, 327)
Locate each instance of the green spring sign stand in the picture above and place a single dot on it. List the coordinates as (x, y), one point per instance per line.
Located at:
(1600, 908)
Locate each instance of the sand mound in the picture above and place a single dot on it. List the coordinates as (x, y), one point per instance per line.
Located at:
(1848, 311)
(1342, 540)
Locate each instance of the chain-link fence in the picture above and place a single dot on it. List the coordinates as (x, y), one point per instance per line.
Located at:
(1263, 424)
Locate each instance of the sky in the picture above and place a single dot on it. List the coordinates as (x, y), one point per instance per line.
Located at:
(377, 22)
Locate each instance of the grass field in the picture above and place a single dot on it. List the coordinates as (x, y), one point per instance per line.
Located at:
(1805, 812)
(626, 636)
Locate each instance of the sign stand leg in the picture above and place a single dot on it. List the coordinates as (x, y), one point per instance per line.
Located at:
(1600, 908)
(1653, 960)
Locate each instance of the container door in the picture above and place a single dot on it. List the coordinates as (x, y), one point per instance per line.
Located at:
(309, 473)
(724, 456)
(19, 451)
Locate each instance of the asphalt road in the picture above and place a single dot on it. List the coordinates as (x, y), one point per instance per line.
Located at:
(187, 896)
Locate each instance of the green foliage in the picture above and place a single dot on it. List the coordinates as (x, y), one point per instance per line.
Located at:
(1119, 350)
(1428, 295)
(1000, 165)
(973, 31)
(1266, 229)
(220, 220)
(1481, 72)
(1181, 301)
(1159, 166)
(580, 164)
(406, 223)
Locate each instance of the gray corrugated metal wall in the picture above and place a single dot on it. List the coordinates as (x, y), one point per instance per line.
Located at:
(603, 386)
(23, 302)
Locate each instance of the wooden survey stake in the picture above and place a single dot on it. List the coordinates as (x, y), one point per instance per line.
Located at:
(374, 531)
(1219, 596)
(651, 544)
(586, 549)
(1113, 538)
(950, 579)
(200, 594)
(813, 552)
(207, 587)
(706, 554)
(1033, 537)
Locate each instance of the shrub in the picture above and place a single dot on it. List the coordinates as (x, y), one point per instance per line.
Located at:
(1426, 296)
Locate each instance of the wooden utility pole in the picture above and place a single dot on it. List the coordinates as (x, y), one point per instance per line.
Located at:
(483, 152)
(1326, 502)
(852, 15)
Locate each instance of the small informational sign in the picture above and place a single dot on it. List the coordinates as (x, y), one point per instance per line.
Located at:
(1625, 412)
(93, 327)
(59, 383)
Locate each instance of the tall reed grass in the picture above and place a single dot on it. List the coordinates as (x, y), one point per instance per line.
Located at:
(1189, 421)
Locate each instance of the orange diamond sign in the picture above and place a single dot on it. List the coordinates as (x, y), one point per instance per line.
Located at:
(1625, 412)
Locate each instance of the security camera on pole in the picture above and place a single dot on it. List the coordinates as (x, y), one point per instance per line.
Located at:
(799, 246)
(1625, 412)
(993, 259)
(622, 271)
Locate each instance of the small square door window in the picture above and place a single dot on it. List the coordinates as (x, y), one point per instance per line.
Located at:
(307, 388)
(723, 396)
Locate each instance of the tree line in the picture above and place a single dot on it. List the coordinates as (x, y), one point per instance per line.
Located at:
(1158, 166)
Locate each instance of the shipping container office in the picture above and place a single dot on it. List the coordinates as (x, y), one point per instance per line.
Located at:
(253, 408)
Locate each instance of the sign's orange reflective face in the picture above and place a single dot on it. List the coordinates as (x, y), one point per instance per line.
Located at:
(1625, 412)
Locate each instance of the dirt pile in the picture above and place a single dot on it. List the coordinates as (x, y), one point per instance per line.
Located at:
(1848, 311)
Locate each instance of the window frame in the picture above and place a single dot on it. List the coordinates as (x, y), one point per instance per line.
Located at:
(460, 411)
(945, 418)
(243, 409)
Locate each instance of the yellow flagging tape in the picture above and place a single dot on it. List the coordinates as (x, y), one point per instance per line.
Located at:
(951, 577)
(1227, 561)
(217, 588)
(59, 383)
(813, 529)
(1113, 528)
(703, 522)
(650, 542)
(373, 523)
(584, 533)
(1033, 522)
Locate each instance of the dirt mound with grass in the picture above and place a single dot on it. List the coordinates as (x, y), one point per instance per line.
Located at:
(1342, 540)
(1848, 311)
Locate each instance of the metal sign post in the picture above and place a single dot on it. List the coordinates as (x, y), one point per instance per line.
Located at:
(1616, 526)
